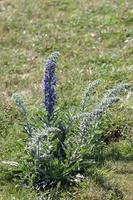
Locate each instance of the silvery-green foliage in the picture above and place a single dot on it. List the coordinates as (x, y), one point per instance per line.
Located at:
(111, 96)
(88, 93)
(107, 101)
(39, 142)
(123, 87)
(20, 103)
(21, 106)
(65, 143)
(71, 142)
(54, 56)
(88, 121)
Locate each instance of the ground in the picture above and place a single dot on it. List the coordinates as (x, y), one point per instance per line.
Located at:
(95, 39)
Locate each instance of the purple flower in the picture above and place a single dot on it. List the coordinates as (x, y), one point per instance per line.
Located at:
(49, 83)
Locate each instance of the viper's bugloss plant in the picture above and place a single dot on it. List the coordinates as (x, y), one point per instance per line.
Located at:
(66, 143)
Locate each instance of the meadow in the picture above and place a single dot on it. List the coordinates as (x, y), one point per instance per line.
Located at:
(95, 40)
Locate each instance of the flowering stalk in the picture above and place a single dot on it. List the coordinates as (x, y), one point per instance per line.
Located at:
(87, 94)
(49, 83)
(20, 104)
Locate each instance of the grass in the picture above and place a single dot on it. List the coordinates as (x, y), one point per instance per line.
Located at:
(95, 39)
